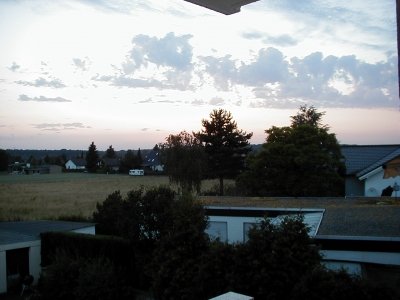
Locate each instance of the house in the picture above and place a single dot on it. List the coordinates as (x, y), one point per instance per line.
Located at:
(76, 164)
(110, 164)
(363, 237)
(152, 161)
(370, 169)
(20, 247)
(232, 296)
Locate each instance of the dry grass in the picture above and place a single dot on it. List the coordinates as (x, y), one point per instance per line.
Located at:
(50, 196)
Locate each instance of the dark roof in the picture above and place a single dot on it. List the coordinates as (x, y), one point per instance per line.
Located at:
(24, 231)
(372, 217)
(360, 158)
(152, 159)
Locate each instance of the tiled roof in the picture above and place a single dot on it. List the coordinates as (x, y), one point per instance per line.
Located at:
(342, 217)
(15, 232)
(362, 157)
(380, 162)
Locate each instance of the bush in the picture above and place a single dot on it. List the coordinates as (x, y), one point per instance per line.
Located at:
(69, 278)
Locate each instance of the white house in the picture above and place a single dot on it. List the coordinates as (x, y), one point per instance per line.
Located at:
(20, 247)
(370, 169)
(361, 237)
(76, 164)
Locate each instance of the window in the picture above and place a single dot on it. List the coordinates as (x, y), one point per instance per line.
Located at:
(218, 230)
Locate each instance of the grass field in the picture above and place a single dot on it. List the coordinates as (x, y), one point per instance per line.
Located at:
(50, 196)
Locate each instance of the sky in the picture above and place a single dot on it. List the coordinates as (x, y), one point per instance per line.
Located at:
(128, 73)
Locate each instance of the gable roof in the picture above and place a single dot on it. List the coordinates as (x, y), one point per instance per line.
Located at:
(361, 159)
(24, 231)
(78, 161)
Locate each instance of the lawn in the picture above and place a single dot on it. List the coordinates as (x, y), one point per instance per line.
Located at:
(50, 196)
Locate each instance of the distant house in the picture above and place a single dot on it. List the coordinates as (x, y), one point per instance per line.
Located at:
(28, 169)
(361, 237)
(20, 247)
(152, 161)
(370, 169)
(76, 164)
(111, 164)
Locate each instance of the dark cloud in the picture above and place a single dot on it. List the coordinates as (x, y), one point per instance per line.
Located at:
(60, 126)
(43, 82)
(14, 67)
(42, 99)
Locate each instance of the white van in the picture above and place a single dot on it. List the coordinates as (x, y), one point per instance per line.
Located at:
(136, 172)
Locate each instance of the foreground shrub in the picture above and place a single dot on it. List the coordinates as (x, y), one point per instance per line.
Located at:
(75, 278)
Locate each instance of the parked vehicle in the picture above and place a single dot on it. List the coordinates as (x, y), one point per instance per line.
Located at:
(136, 172)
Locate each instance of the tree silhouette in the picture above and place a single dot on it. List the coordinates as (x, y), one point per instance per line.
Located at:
(92, 158)
(225, 145)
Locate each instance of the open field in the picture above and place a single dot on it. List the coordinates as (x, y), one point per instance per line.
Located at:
(50, 196)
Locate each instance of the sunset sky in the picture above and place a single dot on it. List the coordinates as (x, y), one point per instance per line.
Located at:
(128, 73)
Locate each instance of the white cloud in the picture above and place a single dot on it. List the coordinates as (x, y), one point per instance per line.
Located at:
(24, 97)
(43, 82)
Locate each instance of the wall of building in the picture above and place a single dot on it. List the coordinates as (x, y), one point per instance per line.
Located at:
(376, 183)
(354, 187)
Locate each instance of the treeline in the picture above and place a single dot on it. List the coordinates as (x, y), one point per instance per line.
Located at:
(303, 159)
(163, 252)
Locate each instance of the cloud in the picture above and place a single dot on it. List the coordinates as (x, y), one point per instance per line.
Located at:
(278, 81)
(217, 101)
(283, 40)
(42, 82)
(169, 51)
(81, 64)
(269, 66)
(163, 63)
(24, 97)
(14, 67)
(60, 126)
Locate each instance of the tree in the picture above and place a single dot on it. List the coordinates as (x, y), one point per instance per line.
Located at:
(3, 160)
(130, 161)
(273, 260)
(184, 160)
(225, 145)
(177, 257)
(301, 160)
(110, 152)
(92, 158)
(139, 159)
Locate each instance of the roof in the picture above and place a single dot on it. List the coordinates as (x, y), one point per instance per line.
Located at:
(226, 7)
(360, 159)
(372, 217)
(25, 231)
(232, 296)
(152, 159)
(78, 161)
